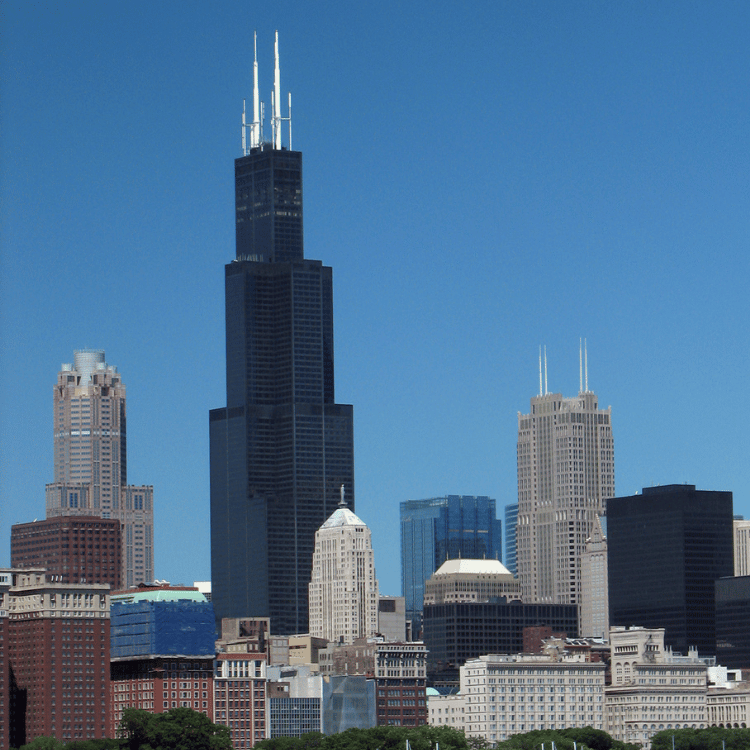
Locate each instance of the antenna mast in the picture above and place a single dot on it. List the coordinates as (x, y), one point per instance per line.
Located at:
(580, 365)
(255, 133)
(540, 370)
(586, 364)
(545, 370)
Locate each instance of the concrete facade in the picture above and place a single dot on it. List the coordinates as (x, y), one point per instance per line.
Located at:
(741, 530)
(462, 580)
(566, 472)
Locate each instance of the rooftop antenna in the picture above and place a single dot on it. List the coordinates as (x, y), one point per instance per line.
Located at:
(255, 132)
(580, 365)
(545, 370)
(276, 97)
(540, 370)
(586, 365)
(342, 502)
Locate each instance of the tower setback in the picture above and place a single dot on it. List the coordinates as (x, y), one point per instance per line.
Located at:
(282, 447)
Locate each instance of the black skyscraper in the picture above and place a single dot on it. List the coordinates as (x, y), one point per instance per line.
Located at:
(666, 549)
(282, 448)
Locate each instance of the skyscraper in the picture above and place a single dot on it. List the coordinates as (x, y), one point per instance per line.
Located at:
(667, 547)
(90, 437)
(343, 589)
(282, 447)
(511, 519)
(439, 529)
(566, 471)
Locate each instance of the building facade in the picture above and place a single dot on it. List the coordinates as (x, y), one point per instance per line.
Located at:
(438, 529)
(511, 519)
(399, 671)
(162, 650)
(65, 628)
(506, 695)
(666, 549)
(464, 580)
(732, 618)
(90, 455)
(741, 547)
(281, 448)
(240, 696)
(459, 631)
(594, 607)
(566, 472)
(73, 549)
(652, 688)
(343, 589)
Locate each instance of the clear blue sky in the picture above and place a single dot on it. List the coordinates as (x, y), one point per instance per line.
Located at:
(483, 177)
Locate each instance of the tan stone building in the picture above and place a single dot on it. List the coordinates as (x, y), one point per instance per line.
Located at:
(343, 590)
(90, 460)
(464, 580)
(594, 602)
(566, 472)
(652, 688)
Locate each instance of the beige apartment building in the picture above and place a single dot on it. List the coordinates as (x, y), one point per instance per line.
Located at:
(566, 472)
(343, 603)
(509, 694)
(90, 460)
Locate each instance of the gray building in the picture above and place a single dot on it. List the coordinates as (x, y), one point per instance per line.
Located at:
(566, 472)
(282, 448)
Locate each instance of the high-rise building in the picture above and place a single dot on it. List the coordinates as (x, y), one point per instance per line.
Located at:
(72, 549)
(282, 447)
(666, 549)
(566, 472)
(90, 437)
(58, 658)
(440, 529)
(511, 518)
(732, 618)
(594, 606)
(343, 589)
(741, 546)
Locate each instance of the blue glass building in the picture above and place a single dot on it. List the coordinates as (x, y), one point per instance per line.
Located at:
(511, 518)
(438, 529)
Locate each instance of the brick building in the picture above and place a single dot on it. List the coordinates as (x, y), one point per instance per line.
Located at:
(64, 627)
(74, 549)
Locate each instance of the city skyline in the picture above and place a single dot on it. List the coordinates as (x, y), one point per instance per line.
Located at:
(606, 200)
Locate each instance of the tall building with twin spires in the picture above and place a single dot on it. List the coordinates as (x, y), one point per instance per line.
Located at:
(91, 465)
(282, 447)
(566, 472)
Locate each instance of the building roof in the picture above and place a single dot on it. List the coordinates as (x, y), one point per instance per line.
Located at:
(473, 567)
(158, 594)
(342, 516)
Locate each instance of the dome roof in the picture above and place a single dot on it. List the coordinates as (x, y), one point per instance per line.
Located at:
(342, 516)
(474, 567)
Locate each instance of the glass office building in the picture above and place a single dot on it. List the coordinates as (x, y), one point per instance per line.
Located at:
(439, 529)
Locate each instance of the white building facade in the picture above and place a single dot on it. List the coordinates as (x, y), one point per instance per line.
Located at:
(343, 603)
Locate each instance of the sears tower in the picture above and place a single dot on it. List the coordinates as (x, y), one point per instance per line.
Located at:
(282, 448)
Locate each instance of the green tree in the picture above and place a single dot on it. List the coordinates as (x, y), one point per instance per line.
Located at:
(43, 743)
(178, 729)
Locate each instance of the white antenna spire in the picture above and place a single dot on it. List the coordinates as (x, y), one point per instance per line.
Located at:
(580, 365)
(290, 121)
(341, 490)
(586, 365)
(545, 370)
(276, 99)
(540, 370)
(244, 130)
(255, 132)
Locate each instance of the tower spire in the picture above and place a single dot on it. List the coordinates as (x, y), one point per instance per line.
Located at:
(255, 132)
(276, 100)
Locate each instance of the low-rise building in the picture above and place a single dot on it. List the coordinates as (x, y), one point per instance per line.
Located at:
(399, 670)
(240, 696)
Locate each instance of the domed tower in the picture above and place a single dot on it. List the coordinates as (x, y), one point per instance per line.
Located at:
(343, 591)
